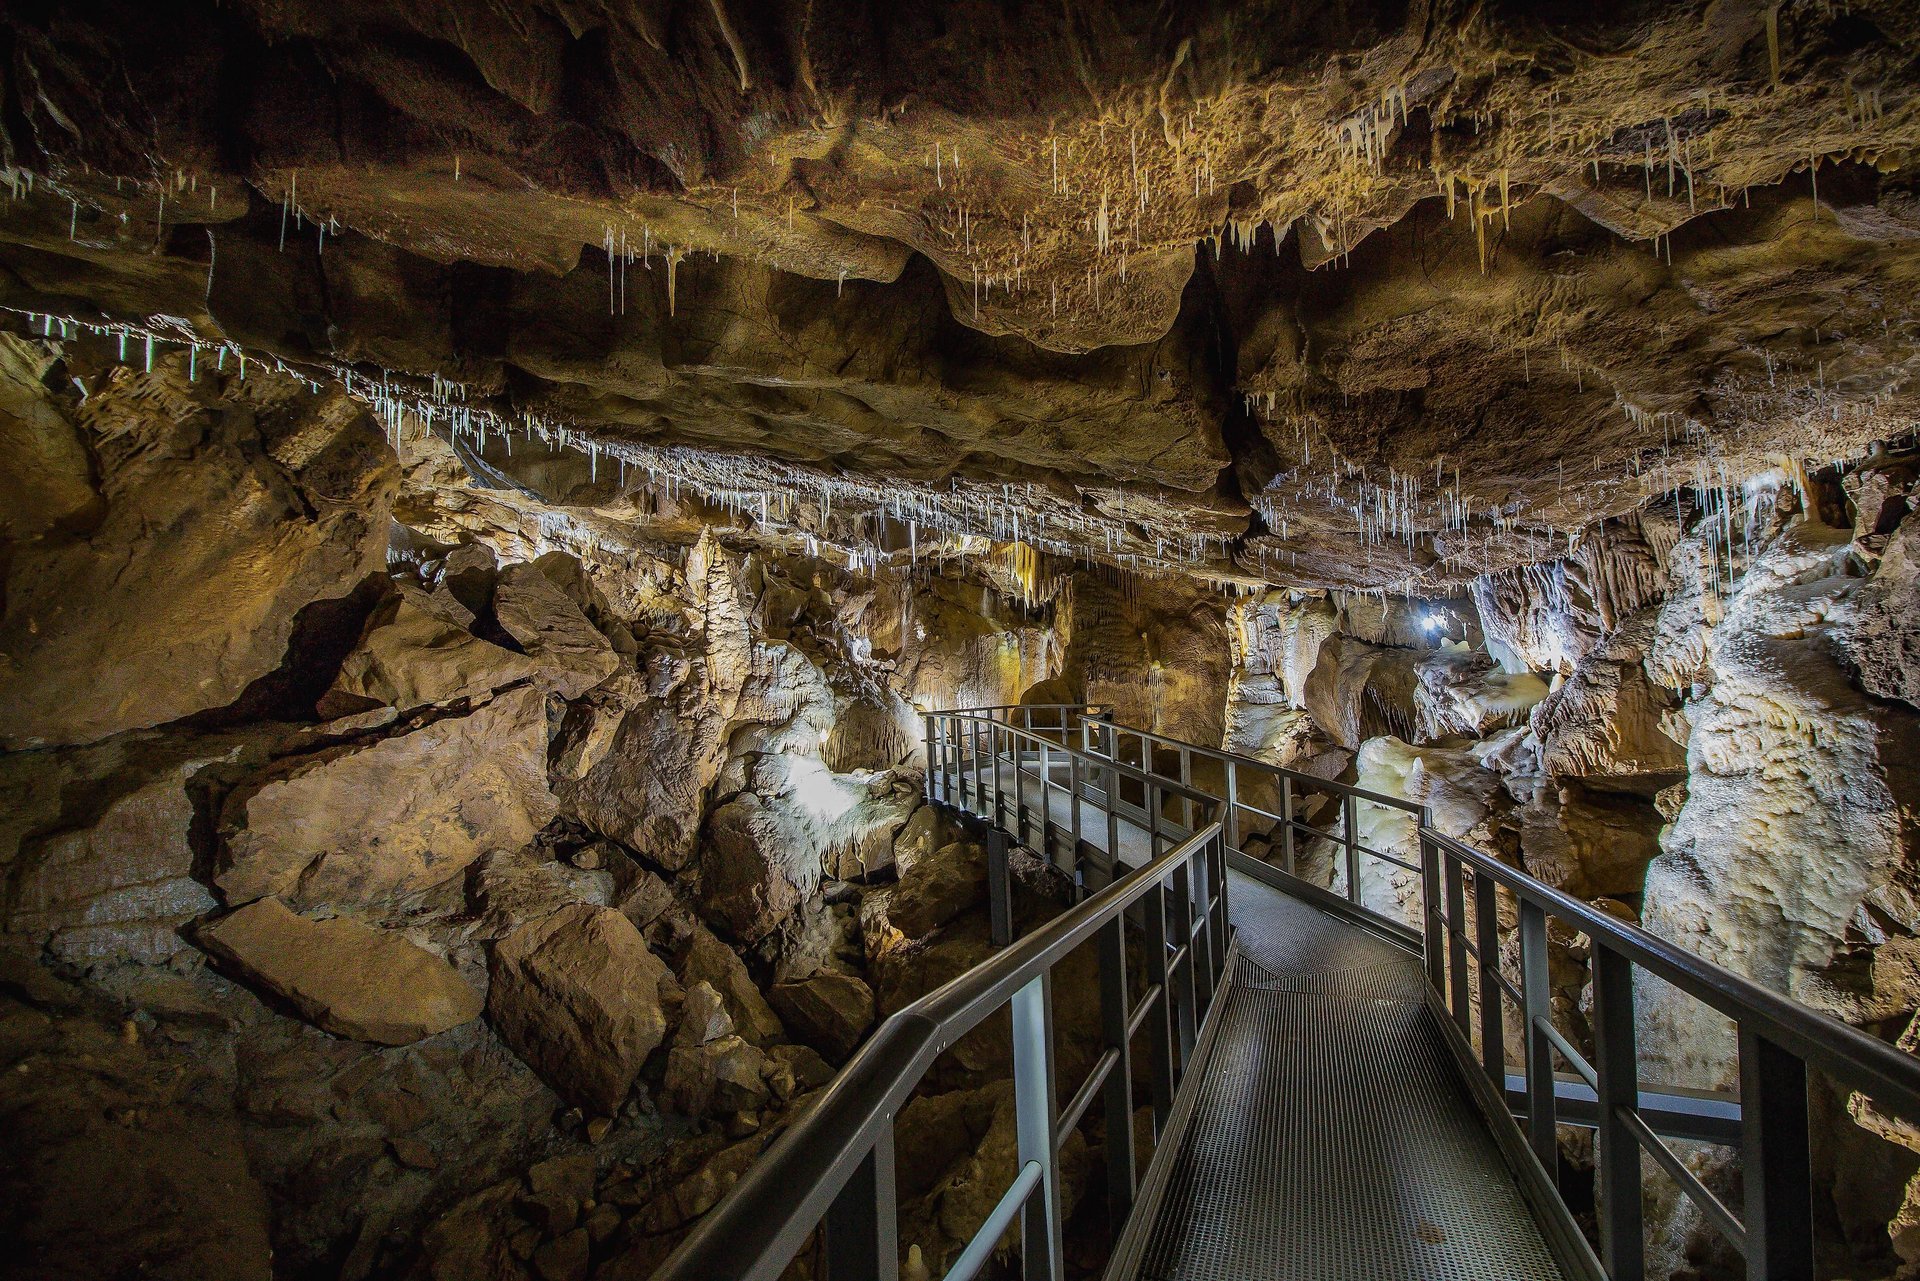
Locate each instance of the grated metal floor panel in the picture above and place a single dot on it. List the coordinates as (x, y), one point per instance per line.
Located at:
(1332, 1139)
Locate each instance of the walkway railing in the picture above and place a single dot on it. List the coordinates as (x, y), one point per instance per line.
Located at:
(1461, 892)
(833, 1171)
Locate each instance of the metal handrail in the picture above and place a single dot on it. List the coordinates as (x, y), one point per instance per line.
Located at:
(1779, 1039)
(834, 1168)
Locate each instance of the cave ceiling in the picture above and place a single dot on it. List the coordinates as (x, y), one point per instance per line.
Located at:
(1348, 295)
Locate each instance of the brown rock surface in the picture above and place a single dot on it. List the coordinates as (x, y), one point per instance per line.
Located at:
(185, 589)
(580, 998)
(370, 821)
(409, 657)
(828, 1010)
(349, 978)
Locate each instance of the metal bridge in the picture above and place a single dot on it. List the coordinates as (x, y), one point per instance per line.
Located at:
(1321, 1033)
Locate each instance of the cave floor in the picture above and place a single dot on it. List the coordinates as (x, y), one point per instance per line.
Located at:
(1332, 1137)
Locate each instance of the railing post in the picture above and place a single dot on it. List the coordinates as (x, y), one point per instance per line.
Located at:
(1017, 748)
(1457, 941)
(1286, 824)
(1622, 1245)
(1217, 915)
(1542, 1124)
(1486, 930)
(1199, 926)
(1117, 1093)
(1775, 1161)
(999, 891)
(1046, 802)
(1160, 1018)
(1034, 1121)
(1186, 780)
(931, 790)
(861, 1233)
(1232, 826)
(1353, 851)
(1074, 781)
(1182, 975)
(1436, 926)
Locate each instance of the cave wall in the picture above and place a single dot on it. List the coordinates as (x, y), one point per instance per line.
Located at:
(406, 874)
(1699, 720)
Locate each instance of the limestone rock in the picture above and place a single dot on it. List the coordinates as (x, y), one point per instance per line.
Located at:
(1459, 694)
(370, 821)
(1884, 641)
(642, 777)
(185, 591)
(828, 1010)
(1359, 691)
(552, 630)
(939, 888)
(720, 1076)
(510, 887)
(46, 483)
(712, 963)
(703, 1016)
(1785, 754)
(409, 657)
(343, 976)
(762, 864)
(1587, 843)
(1607, 719)
(926, 830)
(114, 881)
(580, 999)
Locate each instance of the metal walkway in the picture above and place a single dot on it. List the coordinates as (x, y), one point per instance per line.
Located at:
(1331, 1137)
(1329, 1076)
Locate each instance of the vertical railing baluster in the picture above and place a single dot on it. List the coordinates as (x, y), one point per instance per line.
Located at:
(860, 1234)
(1542, 1121)
(1182, 975)
(1046, 804)
(1286, 824)
(1159, 1022)
(1034, 1119)
(1486, 932)
(1775, 1161)
(1456, 940)
(999, 890)
(1217, 915)
(1233, 806)
(1117, 1093)
(1199, 926)
(1622, 1244)
(1186, 780)
(1075, 779)
(1435, 921)
(1353, 851)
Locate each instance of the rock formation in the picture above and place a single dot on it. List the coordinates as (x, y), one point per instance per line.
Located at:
(489, 493)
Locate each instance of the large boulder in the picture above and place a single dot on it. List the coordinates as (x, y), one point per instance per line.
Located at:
(938, 888)
(104, 866)
(581, 1000)
(550, 627)
(220, 526)
(762, 862)
(410, 655)
(47, 482)
(371, 821)
(341, 975)
(828, 1010)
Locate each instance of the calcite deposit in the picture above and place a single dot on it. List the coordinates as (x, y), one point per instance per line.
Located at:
(488, 493)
